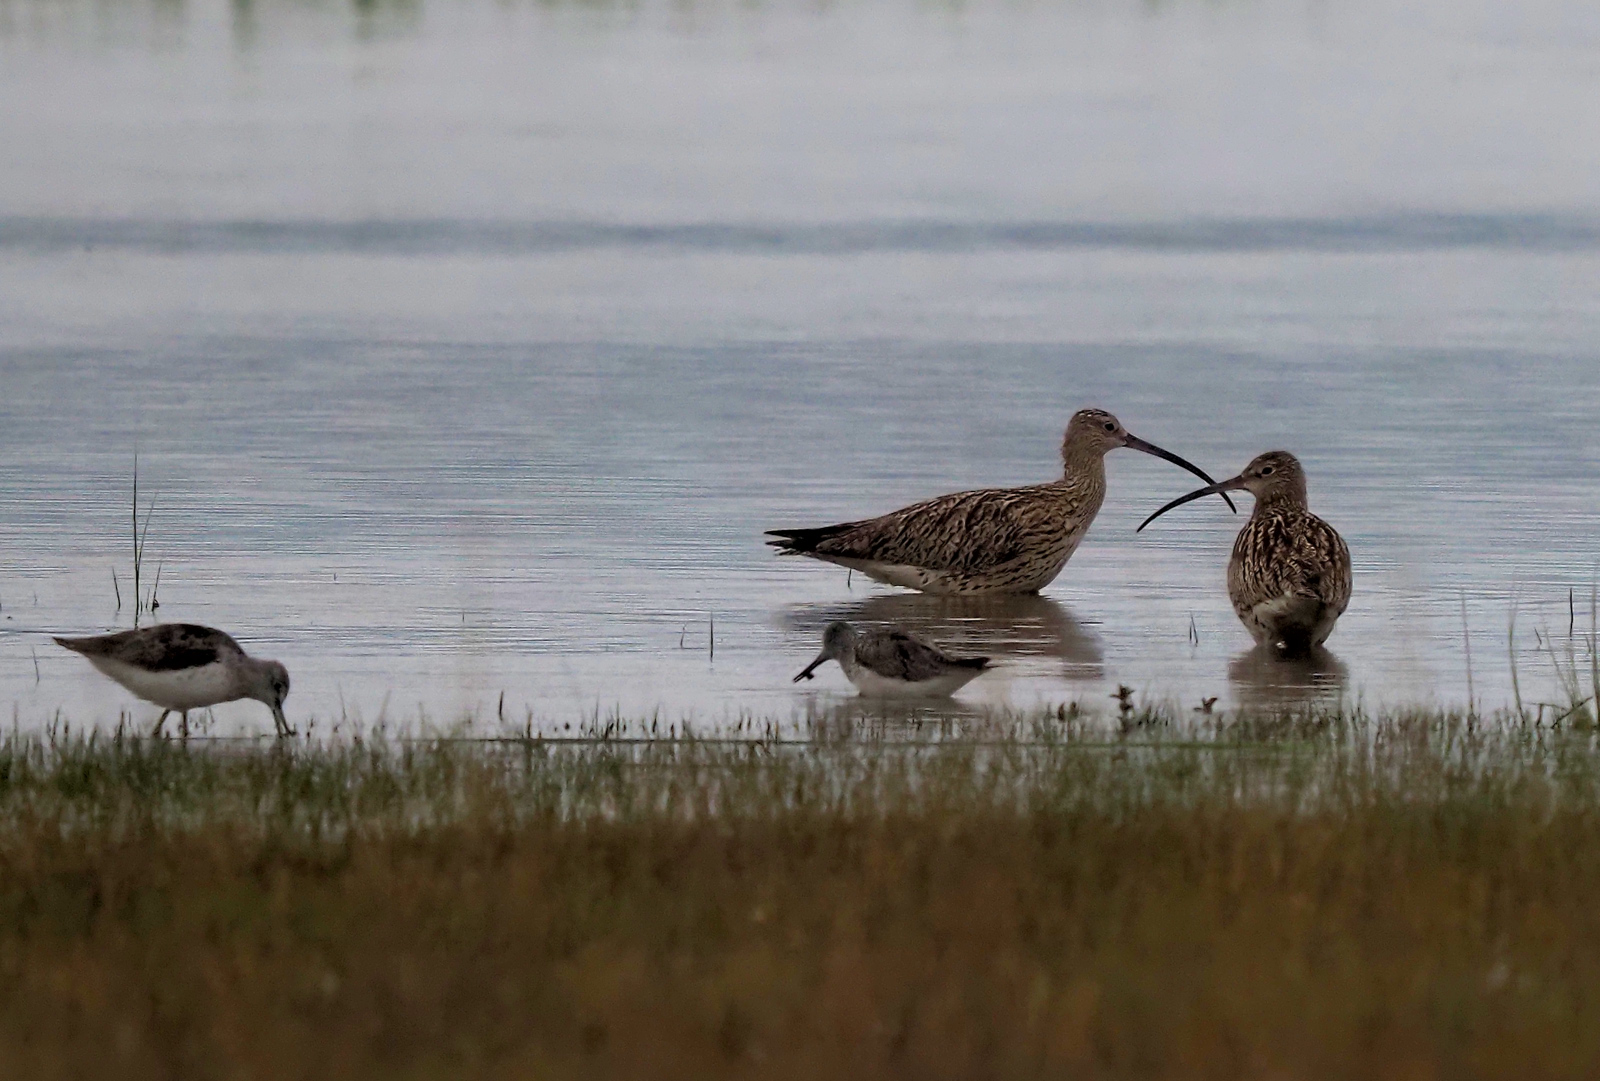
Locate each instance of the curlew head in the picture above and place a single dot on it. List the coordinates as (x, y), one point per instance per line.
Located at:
(1092, 433)
(838, 642)
(268, 683)
(1093, 430)
(1272, 477)
(1277, 474)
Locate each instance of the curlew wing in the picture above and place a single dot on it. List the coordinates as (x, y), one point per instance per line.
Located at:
(966, 532)
(1296, 557)
(165, 647)
(894, 654)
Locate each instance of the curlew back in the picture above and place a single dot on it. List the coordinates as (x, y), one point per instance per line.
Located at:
(165, 647)
(964, 533)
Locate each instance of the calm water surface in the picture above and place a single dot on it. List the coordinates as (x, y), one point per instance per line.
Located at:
(468, 348)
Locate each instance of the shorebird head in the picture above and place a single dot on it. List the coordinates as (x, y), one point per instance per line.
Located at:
(1270, 477)
(1276, 474)
(1094, 432)
(838, 642)
(269, 684)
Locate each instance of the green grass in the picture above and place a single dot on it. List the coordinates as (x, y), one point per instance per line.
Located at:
(1302, 897)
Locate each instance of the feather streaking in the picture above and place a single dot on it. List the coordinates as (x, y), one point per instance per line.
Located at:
(993, 540)
(1290, 574)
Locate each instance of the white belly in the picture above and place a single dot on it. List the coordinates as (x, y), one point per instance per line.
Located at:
(180, 689)
(872, 685)
(891, 574)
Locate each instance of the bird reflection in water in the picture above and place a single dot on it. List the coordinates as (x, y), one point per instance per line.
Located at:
(853, 718)
(1265, 682)
(1006, 627)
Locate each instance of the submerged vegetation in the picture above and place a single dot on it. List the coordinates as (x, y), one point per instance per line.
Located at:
(1316, 895)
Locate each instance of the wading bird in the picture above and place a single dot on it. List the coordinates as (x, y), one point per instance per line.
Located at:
(995, 540)
(1289, 577)
(184, 666)
(894, 664)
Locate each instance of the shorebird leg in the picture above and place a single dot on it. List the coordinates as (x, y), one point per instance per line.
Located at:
(161, 720)
(1133, 442)
(1233, 484)
(183, 726)
(280, 722)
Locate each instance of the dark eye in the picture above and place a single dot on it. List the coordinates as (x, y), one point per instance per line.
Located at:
(1266, 470)
(1111, 425)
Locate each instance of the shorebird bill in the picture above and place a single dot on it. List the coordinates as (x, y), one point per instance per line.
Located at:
(1135, 443)
(1233, 484)
(805, 673)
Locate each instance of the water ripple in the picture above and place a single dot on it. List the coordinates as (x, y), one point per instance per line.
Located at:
(1397, 232)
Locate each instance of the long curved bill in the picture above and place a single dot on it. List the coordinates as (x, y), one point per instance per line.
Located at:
(1233, 484)
(805, 673)
(1135, 443)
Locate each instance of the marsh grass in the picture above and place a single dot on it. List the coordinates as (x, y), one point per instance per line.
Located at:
(1306, 895)
(142, 602)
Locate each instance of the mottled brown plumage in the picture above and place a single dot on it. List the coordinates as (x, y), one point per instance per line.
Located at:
(1289, 576)
(891, 662)
(994, 540)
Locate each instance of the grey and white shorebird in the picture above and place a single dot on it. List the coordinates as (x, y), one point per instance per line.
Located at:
(1289, 577)
(894, 664)
(993, 540)
(184, 666)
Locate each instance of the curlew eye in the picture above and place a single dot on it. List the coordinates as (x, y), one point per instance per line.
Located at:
(1266, 470)
(1111, 425)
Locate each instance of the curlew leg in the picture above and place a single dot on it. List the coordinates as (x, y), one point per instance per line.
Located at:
(161, 720)
(183, 725)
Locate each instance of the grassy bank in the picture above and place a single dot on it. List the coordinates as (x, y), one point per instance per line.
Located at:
(1410, 896)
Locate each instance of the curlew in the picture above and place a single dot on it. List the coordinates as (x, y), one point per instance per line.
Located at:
(1289, 576)
(184, 666)
(894, 664)
(994, 540)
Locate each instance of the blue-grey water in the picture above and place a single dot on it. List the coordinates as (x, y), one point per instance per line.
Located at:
(468, 347)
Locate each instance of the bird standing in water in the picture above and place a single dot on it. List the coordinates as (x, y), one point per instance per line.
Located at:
(994, 540)
(893, 664)
(1289, 577)
(184, 666)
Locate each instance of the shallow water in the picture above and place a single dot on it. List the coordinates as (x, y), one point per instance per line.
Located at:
(469, 348)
